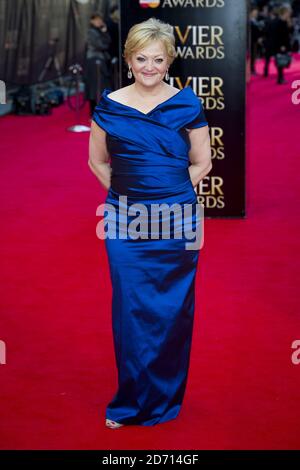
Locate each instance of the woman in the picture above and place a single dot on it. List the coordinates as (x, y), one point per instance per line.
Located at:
(97, 69)
(144, 128)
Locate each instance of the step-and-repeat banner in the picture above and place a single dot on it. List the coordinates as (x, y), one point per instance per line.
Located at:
(211, 45)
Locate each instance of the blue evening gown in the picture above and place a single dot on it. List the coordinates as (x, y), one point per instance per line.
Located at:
(153, 280)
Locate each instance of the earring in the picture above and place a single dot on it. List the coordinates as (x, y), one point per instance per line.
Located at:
(167, 76)
(129, 73)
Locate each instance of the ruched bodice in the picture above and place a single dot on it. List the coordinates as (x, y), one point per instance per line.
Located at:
(150, 150)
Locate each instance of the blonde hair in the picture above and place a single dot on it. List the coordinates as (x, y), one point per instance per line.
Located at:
(142, 34)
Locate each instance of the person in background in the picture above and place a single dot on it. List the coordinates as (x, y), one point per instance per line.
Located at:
(255, 35)
(277, 39)
(113, 29)
(97, 70)
(263, 18)
(296, 8)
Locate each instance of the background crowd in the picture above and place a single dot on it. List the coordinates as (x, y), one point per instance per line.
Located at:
(274, 33)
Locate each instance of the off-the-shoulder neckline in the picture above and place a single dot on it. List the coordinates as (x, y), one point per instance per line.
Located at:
(107, 90)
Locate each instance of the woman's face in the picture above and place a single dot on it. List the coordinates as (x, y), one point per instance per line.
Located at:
(149, 64)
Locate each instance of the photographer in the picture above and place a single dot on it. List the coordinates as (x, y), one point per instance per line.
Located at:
(97, 50)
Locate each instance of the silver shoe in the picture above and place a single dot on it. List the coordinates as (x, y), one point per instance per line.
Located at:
(112, 424)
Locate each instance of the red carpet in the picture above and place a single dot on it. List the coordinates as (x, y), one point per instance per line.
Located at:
(243, 389)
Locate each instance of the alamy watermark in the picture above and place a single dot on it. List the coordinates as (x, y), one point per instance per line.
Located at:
(2, 92)
(296, 94)
(161, 221)
(2, 352)
(295, 357)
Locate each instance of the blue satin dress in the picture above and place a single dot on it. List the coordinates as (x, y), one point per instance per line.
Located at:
(153, 279)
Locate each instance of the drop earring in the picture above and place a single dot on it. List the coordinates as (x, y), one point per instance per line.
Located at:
(129, 73)
(167, 76)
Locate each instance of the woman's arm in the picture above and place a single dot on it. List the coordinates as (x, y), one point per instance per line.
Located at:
(99, 156)
(199, 154)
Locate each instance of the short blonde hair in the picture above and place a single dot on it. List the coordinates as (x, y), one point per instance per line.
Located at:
(142, 34)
